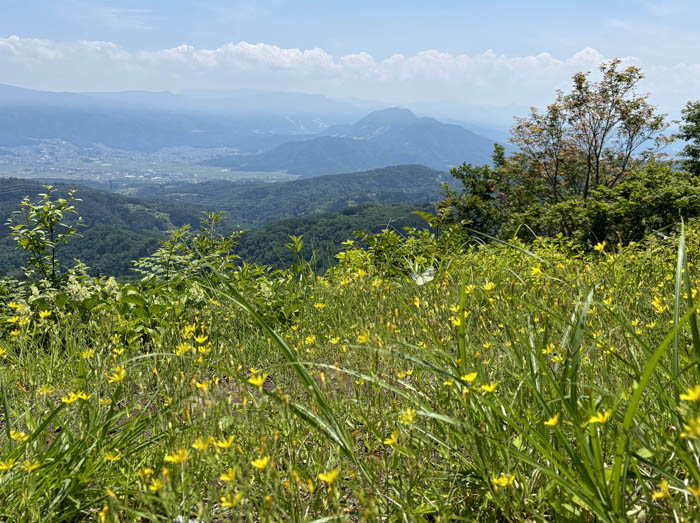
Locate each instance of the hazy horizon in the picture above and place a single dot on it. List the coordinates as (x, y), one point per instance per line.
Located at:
(503, 55)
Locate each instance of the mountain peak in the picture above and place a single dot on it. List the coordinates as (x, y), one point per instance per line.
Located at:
(390, 116)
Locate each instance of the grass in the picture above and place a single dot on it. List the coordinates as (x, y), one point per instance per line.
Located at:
(521, 383)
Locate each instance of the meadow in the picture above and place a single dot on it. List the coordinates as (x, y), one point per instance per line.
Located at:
(531, 381)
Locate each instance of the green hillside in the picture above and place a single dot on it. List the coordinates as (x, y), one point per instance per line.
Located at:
(253, 204)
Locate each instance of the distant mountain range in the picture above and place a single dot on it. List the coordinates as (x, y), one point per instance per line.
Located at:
(388, 137)
(299, 133)
(149, 121)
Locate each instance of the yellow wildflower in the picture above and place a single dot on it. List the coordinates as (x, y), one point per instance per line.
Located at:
(408, 416)
(536, 271)
(224, 443)
(261, 463)
(490, 387)
(18, 435)
(201, 339)
(692, 394)
(257, 380)
(553, 421)
(504, 480)
(329, 477)
(117, 375)
(470, 377)
(229, 475)
(601, 417)
(155, 485)
(663, 491)
(30, 465)
(200, 444)
(89, 353)
(229, 501)
(600, 247)
(393, 439)
(44, 314)
(8, 465)
(178, 457)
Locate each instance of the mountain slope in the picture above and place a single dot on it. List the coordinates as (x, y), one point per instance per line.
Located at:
(253, 204)
(389, 137)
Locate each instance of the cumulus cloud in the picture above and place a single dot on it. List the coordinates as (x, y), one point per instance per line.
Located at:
(485, 78)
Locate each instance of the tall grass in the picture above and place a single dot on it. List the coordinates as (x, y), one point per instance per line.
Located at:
(522, 383)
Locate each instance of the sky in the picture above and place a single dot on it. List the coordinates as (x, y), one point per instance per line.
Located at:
(480, 53)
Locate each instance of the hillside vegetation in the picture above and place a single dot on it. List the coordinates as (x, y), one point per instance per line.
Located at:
(446, 374)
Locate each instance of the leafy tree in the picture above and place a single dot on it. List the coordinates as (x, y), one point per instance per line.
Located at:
(588, 137)
(42, 229)
(478, 206)
(690, 131)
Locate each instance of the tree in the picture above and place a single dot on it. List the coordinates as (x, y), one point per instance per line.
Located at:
(43, 229)
(690, 131)
(588, 137)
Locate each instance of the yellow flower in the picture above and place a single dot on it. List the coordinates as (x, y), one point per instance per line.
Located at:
(201, 339)
(489, 286)
(224, 443)
(470, 377)
(416, 302)
(695, 491)
(362, 338)
(393, 439)
(557, 359)
(44, 314)
(103, 513)
(18, 435)
(229, 475)
(183, 348)
(663, 491)
(8, 465)
(30, 465)
(553, 421)
(155, 485)
(490, 387)
(319, 305)
(200, 444)
(601, 417)
(692, 429)
(408, 416)
(113, 456)
(177, 457)
(75, 396)
(600, 247)
(329, 477)
(257, 380)
(692, 394)
(89, 353)
(261, 463)
(536, 271)
(229, 501)
(504, 480)
(44, 390)
(117, 375)
(335, 341)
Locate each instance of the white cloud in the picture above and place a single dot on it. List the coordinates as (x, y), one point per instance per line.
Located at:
(485, 78)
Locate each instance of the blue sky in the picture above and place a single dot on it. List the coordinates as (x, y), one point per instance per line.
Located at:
(347, 47)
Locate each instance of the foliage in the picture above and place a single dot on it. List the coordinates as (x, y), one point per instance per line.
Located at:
(184, 254)
(518, 384)
(690, 131)
(652, 198)
(587, 137)
(42, 230)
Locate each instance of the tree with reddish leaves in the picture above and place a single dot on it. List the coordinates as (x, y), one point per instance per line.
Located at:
(590, 136)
